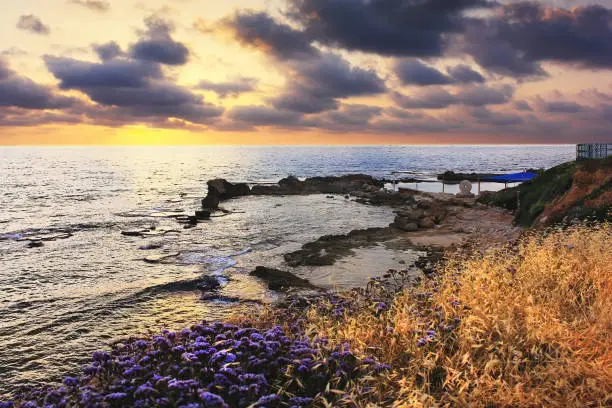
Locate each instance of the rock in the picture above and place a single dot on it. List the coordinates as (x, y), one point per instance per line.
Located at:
(221, 189)
(228, 190)
(209, 283)
(413, 215)
(154, 259)
(405, 224)
(35, 244)
(134, 233)
(212, 200)
(202, 215)
(427, 223)
(240, 190)
(151, 245)
(290, 182)
(332, 197)
(280, 280)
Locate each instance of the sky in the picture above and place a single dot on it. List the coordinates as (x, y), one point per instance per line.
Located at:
(83, 72)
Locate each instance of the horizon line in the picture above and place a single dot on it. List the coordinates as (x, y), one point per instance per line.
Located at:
(292, 145)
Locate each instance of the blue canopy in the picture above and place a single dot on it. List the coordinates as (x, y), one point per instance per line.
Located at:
(513, 178)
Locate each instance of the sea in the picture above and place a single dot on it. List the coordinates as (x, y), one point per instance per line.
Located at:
(89, 286)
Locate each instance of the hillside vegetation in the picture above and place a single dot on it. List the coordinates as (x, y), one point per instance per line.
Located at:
(519, 326)
(566, 193)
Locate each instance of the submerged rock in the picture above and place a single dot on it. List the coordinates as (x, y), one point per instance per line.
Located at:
(209, 283)
(280, 280)
(151, 245)
(154, 259)
(202, 215)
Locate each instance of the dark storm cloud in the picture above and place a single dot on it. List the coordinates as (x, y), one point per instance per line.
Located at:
(113, 73)
(315, 80)
(384, 27)
(107, 51)
(475, 95)
(21, 92)
(262, 32)
(521, 35)
(101, 6)
(314, 85)
(157, 44)
(136, 86)
(349, 117)
(464, 74)
(231, 88)
(415, 72)
(430, 99)
(479, 95)
(33, 24)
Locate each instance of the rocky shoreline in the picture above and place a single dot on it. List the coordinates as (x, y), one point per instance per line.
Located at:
(424, 222)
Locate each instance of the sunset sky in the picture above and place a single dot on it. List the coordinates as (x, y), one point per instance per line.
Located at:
(305, 71)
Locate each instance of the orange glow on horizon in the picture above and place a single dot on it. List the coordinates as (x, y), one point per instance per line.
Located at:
(87, 135)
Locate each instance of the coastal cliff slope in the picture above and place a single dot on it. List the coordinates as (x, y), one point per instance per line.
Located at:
(569, 192)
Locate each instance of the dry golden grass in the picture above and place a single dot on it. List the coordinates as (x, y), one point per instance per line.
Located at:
(533, 328)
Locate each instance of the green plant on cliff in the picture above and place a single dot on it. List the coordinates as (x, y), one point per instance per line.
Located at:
(575, 190)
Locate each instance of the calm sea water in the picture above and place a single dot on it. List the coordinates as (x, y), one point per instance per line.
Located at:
(91, 286)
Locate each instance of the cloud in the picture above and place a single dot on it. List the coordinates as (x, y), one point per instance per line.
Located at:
(20, 92)
(75, 74)
(314, 85)
(260, 31)
(412, 71)
(438, 98)
(107, 51)
(383, 27)
(231, 88)
(429, 99)
(349, 117)
(523, 106)
(5, 70)
(100, 6)
(463, 74)
(157, 45)
(479, 95)
(137, 87)
(415, 72)
(264, 116)
(562, 107)
(488, 117)
(33, 24)
(522, 35)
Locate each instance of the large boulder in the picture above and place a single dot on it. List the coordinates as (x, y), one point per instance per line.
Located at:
(209, 283)
(212, 200)
(280, 280)
(226, 190)
(221, 189)
(405, 224)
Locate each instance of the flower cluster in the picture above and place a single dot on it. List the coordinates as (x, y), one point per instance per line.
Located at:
(209, 365)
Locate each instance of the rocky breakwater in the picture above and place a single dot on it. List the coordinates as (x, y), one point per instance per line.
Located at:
(320, 185)
(221, 190)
